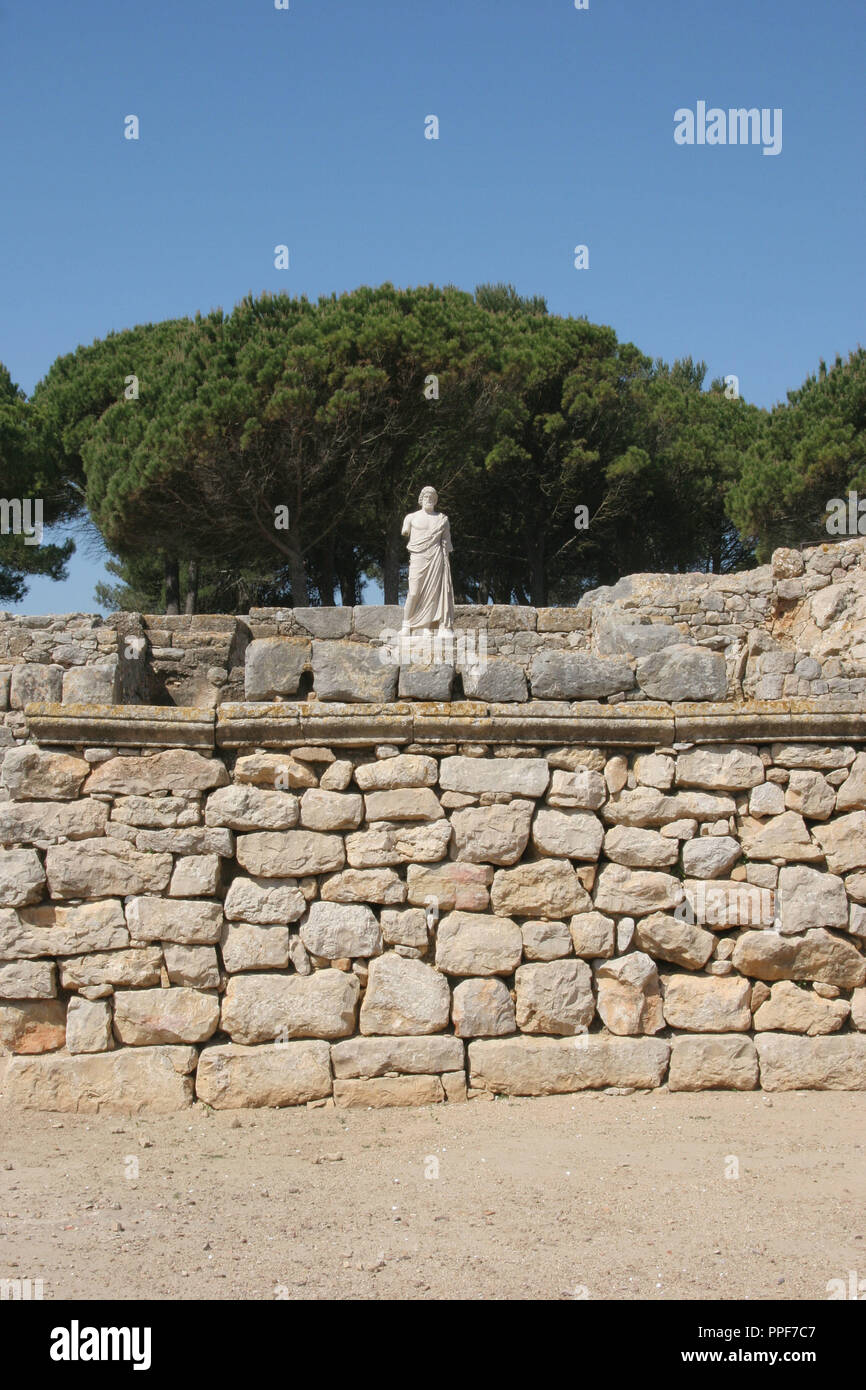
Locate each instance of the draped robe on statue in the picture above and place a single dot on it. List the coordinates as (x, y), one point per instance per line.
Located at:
(430, 603)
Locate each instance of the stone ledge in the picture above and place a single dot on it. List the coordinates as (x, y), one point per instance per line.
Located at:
(294, 723)
(767, 721)
(158, 726)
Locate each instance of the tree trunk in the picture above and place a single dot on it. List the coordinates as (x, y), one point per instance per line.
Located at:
(297, 573)
(327, 578)
(347, 578)
(537, 575)
(191, 605)
(391, 579)
(172, 587)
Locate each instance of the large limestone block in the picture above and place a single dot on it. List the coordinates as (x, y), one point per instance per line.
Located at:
(858, 1009)
(790, 1063)
(654, 770)
(259, 1008)
(710, 856)
(554, 997)
(475, 943)
(324, 810)
(367, 1057)
(812, 755)
(639, 849)
(497, 680)
(244, 807)
(408, 803)
(406, 927)
(196, 876)
(384, 844)
(808, 898)
(593, 935)
(567, 675)
(273, 667)
(672, 939)
(844, 842)
(551, 1066)
(63, 931)
(337, 931)
(450, 886)
(810, 794)
(129, 1081)
(636, 891)
(582, 789)
(816, 955)
(28, 822)
(35, 683)
(492, 834)
(616, 637)
(364, 886)
(723, 903)
(707, 1003)
(392, 774)
(387, 1091)
(275, 770)
(190, 922)
(567, 834)
(21, 877)
(423, 843)
(431, 681)
(29, 774)
(404, 996)
(549, 888)
(352, 672)
(28, 979)
(175, 770)
(713, 1062)
(104, 869)
(680, 672)
(196, 966)
(211, 840)
(248, 947)
(231, 1076)
(148, 1017)
(783, 837)
(324, 622)
(629, 1001)
(482, 1009)
(851, 796)
(93, 685)
(374, 849)
(264, 901)
(290, 853)
(88, 1025)
(791, 1009)
(137, 968)
(647, 806)
(545, 940)
(31, 1026)
(720, 768)
(519, 776)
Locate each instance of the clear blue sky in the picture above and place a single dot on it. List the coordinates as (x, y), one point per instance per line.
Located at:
(306, 127)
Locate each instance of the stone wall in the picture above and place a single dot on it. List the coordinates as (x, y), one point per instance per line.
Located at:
(405, 903)
(791, 629)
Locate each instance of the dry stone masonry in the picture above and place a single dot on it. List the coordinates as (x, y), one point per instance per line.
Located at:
(644, 866)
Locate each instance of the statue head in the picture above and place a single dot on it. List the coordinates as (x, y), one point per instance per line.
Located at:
(427, 499)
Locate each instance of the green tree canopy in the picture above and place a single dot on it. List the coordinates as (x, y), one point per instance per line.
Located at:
(811, 450)
(28, 475)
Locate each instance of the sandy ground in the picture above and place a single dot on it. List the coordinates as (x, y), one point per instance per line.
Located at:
(585, 1196)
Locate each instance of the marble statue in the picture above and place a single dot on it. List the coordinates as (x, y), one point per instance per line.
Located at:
(430, 601)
